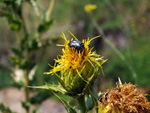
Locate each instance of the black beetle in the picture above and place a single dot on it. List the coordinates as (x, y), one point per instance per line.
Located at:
(78, 45)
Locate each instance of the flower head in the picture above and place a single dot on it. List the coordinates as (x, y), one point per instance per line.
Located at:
(124, 99)
(89, 8)
(78, 65)
(75, 59)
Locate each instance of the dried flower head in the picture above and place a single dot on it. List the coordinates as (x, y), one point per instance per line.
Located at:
(124, 99)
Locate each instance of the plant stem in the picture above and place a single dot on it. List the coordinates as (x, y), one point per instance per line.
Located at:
(49, 11)
(81, 101)
(26, 84)
(23, 23)
(24, 26)
(18, 38)
(34, 4)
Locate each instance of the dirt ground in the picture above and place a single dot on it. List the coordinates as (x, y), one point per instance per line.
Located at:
(12, 97)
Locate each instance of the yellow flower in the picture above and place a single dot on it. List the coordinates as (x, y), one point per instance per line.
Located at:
(124, 99)
(89, 8)
(78, 67)
(73, 59)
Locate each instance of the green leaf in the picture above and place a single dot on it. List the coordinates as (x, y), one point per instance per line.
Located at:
(16, 51)
(94, 98)
(67, 106)
(52, 87)
(55, 88)
(26, 105)
(34, 44)
(24, 42)
(4, 109)
(7, 2)
(7, 14)
(18, 2)
(60, 81)
(15, 25)
(14, 60)
(45, 26)
(89, 103)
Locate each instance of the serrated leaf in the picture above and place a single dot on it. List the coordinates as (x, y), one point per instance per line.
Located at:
(55, 88)
(45, 26)
(67, 106)
(52, 87)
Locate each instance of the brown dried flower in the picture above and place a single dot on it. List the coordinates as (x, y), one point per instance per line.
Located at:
(124, 99)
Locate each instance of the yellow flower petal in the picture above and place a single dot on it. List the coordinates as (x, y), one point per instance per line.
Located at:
(73, 59)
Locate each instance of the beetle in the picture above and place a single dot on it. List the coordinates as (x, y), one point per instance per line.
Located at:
(78, 45)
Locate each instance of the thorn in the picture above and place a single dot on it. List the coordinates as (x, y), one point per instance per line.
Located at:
(120, 83)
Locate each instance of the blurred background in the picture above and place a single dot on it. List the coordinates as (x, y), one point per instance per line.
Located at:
(30, 30)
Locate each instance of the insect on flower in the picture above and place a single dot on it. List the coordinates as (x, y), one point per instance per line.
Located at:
(78, 65)
(76, 56)
(78, 45)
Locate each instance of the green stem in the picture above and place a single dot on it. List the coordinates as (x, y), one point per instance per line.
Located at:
(26, 84)
(24, 26)
(81, 101)
(18, 38)
(34, 4)
(94, 100)
(50, 9)
(23, 22)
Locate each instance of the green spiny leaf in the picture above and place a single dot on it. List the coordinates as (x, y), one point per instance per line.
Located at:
(67, 106)
(52, 87)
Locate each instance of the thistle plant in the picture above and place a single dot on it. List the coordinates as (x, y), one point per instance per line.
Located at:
(78, 66)
(23, 68)
(76, 69)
